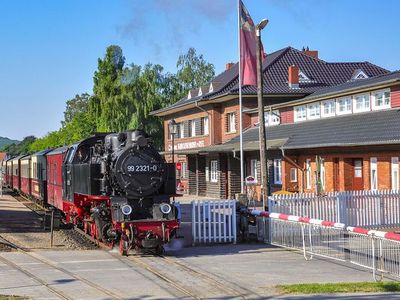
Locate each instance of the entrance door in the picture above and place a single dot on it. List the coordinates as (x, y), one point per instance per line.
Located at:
(358, 180)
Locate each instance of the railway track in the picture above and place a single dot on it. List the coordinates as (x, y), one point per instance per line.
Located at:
(52, 265)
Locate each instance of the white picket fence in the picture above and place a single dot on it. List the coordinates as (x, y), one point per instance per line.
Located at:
(214, 221)
(372, 209)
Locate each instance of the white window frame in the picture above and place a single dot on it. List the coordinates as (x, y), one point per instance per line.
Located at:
(253, 169)
(381, 93)
(348, 104)
(184, 170)
(395, 173)
(231, 122)
(313, 111)
(192, 128)
(206, 129)
(366, 103)
(207, 174)
(322, 172)
(374, 173)
(293, 174)
(300, 113)
(214, 171)
(331, 108)
(181, 130)
(274, 118)
(308, 174)
(277, 171)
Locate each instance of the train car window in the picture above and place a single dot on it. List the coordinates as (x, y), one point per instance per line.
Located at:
(83, 153)
(70, 155)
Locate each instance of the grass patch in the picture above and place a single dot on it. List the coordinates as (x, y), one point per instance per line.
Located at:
(341, 287)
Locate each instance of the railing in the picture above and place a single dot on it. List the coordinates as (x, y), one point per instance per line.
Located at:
(377, 251)
(214, 221)
(373, 209)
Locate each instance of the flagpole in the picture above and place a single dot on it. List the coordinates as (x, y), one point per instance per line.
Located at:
(240, 111)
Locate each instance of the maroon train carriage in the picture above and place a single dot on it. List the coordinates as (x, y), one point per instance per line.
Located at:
(16, 171)
(25, 175)
(9, 173)
(38, 168)
(54, 161)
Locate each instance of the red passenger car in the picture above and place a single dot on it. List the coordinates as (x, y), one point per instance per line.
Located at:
(25, 180)
(9, 173)
(16, 183)
(54, 177)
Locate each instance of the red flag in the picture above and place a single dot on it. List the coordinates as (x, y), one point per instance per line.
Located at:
(247, 47)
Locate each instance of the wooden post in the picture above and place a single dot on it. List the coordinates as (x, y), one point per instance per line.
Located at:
(261, 118)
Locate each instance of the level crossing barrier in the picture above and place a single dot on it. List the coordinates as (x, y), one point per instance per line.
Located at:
(371, 209)
(214, 221)
(377, 251)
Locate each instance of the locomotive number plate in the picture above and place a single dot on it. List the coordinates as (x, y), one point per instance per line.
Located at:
(142, 168)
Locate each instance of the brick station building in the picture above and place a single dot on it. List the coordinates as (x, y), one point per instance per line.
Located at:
(329, 126)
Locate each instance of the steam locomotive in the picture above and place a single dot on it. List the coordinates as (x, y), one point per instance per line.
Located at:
(116, 187)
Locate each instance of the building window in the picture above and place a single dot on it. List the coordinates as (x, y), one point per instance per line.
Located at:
(374, 173)
(253, 169)
(313, 111)
(275, 118)
(205, 125)
(293, 175)
(184, 170)
(344, 106)
(272, 118)
(277, 171)
(214, 171)
(361, 103)
(328, 108)
(207, 174)
(395, 173)
(300, 113)
(381, 99)
(308, 174)
(192, 127)
(231, 119)
(322, 172)
(181, 133)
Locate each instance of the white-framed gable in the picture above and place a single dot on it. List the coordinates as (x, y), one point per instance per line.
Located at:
(200, 92)
(211, 88)
(189, 95)
(359, 74)
(303, 77)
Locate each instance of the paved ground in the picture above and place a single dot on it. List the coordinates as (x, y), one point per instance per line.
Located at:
(214, 272)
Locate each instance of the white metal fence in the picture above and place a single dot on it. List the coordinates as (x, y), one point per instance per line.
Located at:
(373, 209)
(214, 221)
(370, 250)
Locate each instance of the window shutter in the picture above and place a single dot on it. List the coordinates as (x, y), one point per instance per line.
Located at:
(202, 126)
(186, 128)
(198, 127)
(226, 122)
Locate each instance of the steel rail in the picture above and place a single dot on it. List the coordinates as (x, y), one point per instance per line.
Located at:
(54, 266)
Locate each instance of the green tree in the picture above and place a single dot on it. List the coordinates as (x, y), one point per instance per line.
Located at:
(20, 148)
(193, 71)
(76, 105)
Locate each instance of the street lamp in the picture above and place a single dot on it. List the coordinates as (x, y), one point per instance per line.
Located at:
(173, 130)
(260, 103)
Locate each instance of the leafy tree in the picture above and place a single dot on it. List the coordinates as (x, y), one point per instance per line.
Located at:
(193, 71)
(76, 105)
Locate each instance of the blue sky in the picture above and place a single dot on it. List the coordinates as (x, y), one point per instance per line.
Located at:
(49, 49)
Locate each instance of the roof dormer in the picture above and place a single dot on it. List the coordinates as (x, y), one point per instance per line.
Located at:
(189, 95)
(359, 74)
(211, 88)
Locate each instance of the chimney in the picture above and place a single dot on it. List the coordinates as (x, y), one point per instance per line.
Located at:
(293, 77)
(229, 66)
(312, 53)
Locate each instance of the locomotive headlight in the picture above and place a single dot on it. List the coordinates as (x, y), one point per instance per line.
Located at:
(165, 208)
(126, 209)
